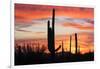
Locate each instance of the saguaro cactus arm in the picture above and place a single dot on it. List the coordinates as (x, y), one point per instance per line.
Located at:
(58, 48)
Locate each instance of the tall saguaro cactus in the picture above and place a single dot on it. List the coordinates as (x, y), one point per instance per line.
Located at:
(51, 36)
(76, 44)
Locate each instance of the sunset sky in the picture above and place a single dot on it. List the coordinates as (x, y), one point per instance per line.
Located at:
(31, 23)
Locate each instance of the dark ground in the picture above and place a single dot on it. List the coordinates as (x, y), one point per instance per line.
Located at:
(25, 56)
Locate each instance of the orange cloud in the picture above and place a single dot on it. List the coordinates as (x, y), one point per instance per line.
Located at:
(27, 12)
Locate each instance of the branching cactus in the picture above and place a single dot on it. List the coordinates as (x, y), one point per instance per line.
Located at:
(51, 36)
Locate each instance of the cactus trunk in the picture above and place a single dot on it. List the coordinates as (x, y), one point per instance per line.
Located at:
(62, 49)
(70, 42)
(76, 44)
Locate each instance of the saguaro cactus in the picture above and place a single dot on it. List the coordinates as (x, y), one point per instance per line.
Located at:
(70, 43)
(51, 36)
(62, 49)
(76, 44)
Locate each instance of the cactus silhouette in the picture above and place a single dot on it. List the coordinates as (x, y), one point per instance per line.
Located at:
(62, 49)
(51, 36)
(70, 43)
(76, 44)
